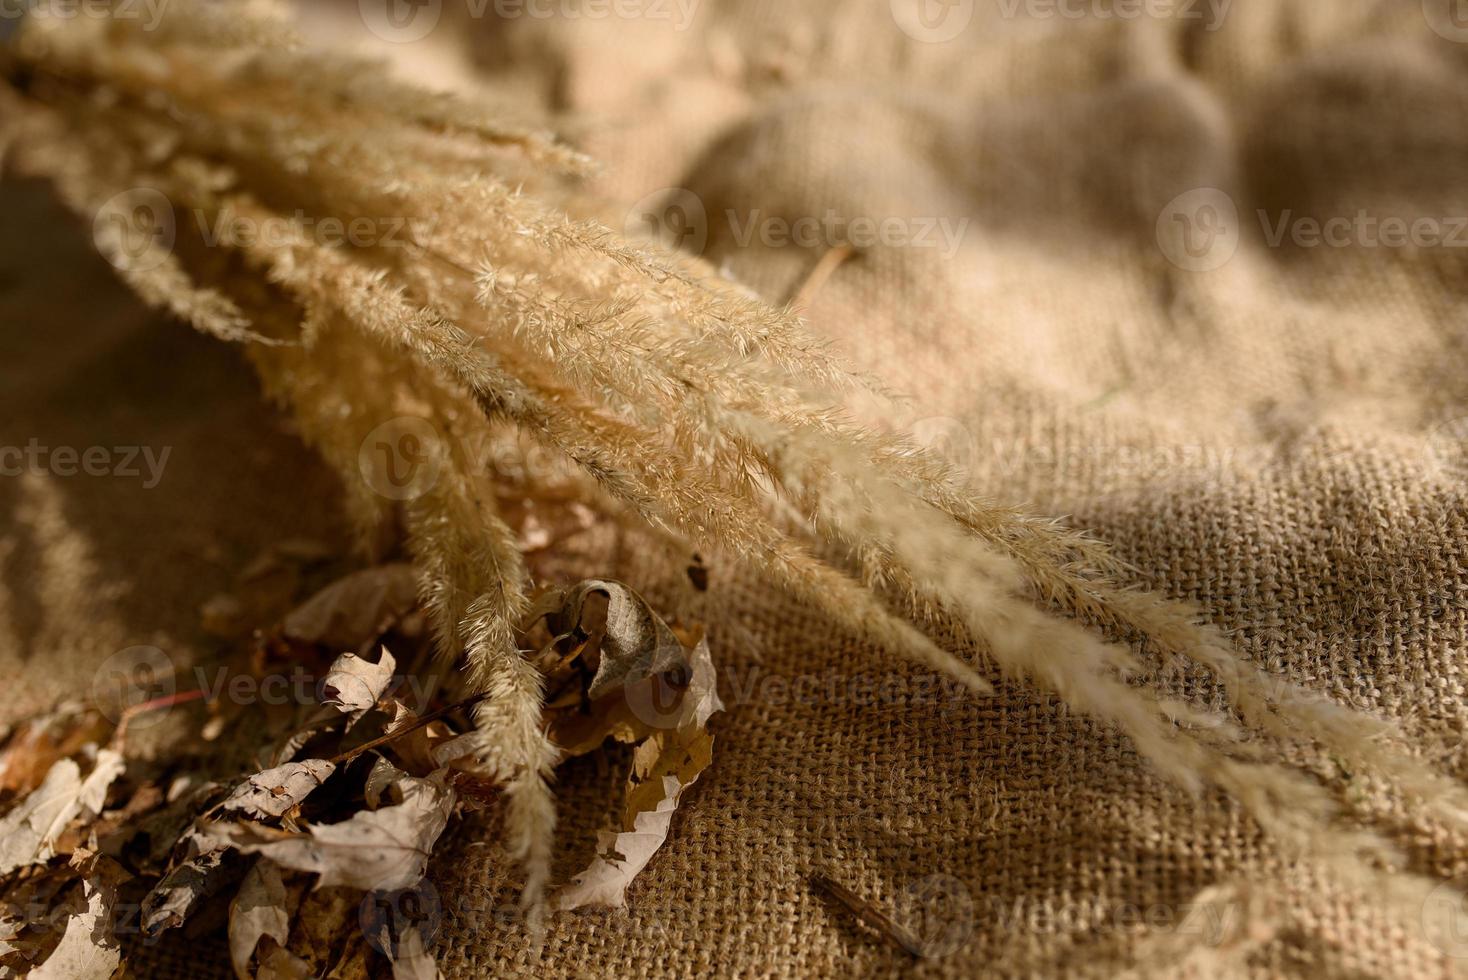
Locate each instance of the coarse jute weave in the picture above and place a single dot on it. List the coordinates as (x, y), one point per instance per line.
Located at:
(1275, 431)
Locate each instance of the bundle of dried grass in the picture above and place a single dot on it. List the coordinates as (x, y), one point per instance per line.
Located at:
(686, 404)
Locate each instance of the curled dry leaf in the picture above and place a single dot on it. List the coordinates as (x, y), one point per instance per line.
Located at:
(274, 792)
(196, 875)
(353, 611)
(648, 687)
(28, 834)
(385, 849)
(382, 781)
(630, 640)
(684, 698)
(292, 745)
(663, 767)
(259, 910)
(355, 685)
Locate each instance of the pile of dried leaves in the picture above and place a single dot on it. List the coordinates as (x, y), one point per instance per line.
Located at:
(283, 812)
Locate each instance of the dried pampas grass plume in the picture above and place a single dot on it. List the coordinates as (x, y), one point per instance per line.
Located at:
(711, 417)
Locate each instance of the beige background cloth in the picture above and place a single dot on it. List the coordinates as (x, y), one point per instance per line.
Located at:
(1279, 438)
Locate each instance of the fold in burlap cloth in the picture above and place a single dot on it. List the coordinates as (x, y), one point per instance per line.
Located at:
(1274, 438)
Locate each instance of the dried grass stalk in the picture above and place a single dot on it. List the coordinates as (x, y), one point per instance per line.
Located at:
(708, 415)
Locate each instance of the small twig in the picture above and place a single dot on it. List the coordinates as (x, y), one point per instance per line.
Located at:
(393, 736)
(823, 270)
(867, 913)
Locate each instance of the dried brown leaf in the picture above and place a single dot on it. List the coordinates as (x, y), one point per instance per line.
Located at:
(635, 643)
(662, 768)
(274, 792)
(195, 876)
(29, 833)
(417, 750)
(684, 698)
(677, 748)
(384, 849)
(34, 746)
(355, 685)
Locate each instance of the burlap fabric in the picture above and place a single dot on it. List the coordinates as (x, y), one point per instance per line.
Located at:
(1270, 427)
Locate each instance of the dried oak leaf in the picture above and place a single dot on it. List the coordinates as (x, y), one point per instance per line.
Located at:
(354, 686)
(274, 792)
(28, 834)
(384, 849)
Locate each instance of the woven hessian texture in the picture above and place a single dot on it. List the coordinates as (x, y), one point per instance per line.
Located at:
(1279, 439)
